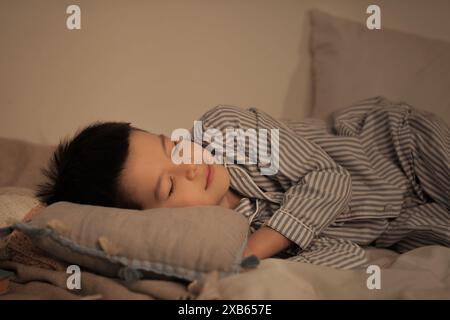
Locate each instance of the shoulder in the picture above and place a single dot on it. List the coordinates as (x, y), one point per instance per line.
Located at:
(229, 116)
(222, 111)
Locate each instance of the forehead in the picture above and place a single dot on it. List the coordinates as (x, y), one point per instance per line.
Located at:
(143, 164)
(145, 151)
(142, 142)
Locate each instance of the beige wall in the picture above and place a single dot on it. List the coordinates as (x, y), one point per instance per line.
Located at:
(161, 64)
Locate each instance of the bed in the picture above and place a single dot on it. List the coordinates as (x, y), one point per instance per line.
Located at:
(423, 273)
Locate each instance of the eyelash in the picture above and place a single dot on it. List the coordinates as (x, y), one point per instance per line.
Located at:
(172, 187)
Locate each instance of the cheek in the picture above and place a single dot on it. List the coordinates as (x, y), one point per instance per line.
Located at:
(221, 184)
(195, 199)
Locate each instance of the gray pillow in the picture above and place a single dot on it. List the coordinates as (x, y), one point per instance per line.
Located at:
(182, 243)
(352, 63)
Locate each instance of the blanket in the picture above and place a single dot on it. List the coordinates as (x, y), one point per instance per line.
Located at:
(423, 273)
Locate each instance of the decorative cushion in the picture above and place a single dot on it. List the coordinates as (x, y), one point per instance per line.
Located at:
(181, 243)
(15, 204)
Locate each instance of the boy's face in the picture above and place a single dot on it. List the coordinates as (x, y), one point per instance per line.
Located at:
(152, 180)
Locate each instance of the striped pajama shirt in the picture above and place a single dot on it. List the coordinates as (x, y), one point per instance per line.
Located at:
(377, 174)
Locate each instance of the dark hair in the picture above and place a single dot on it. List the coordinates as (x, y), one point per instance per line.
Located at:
(87, 169)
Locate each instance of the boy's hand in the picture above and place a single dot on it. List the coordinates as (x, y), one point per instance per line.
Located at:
(266, 242)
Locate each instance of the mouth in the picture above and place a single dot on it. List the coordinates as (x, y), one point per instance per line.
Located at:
(209, 175)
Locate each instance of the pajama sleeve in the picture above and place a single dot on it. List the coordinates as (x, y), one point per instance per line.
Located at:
(335, 253)
(316, 188)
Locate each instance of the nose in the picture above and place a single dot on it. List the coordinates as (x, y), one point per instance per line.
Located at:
(191, 171)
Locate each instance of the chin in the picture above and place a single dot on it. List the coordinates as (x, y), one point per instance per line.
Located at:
(224, 178)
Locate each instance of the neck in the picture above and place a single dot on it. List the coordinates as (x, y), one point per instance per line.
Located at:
(230, 200)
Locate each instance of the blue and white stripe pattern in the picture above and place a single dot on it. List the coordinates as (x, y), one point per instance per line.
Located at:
(377, 174)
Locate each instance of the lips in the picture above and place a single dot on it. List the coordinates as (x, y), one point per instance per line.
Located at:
(209, 175)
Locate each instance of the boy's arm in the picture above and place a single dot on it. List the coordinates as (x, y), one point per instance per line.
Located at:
(265, 243)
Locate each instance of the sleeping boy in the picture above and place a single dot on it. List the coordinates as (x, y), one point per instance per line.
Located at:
(378, 174)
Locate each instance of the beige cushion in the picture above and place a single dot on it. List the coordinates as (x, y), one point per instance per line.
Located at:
(183, 243)
(15, 204)
(21, 161)
(351, 63)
